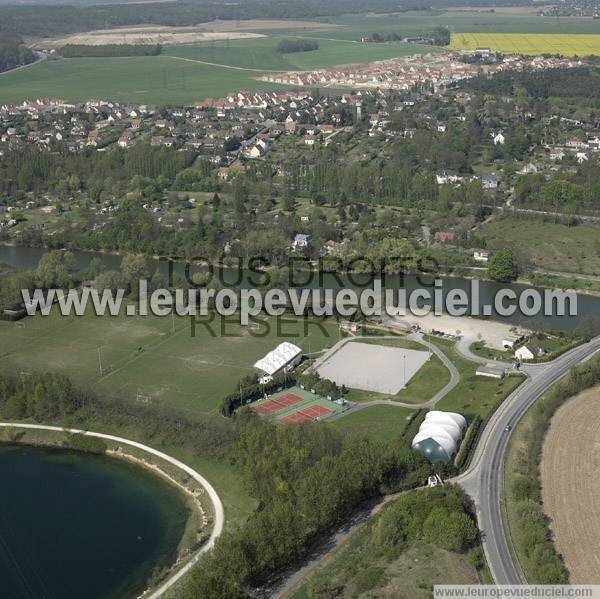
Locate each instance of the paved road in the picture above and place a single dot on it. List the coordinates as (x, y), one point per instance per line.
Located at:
(483, 480)
(219, 514)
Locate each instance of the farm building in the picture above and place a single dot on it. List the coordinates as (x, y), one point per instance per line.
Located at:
(439, 435)
(282, 359)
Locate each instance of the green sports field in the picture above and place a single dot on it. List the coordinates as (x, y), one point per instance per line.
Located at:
(143, 359)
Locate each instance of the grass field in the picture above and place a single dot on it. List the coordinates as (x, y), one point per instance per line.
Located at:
(380, 422)
(529, 43)
(474, 395)
(557, 247)
(142, 358)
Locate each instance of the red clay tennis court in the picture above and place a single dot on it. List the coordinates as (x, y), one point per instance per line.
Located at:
(306, 414)
(278, 403)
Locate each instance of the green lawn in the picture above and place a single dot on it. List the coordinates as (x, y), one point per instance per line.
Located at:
(556, 248)
(140, 355)
(474, 395)
(383, 423)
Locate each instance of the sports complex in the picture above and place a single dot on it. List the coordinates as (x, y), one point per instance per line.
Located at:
(296, 405)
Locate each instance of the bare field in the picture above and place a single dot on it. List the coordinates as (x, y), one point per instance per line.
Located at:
(153, 34)
(159, 34)
(571, 486)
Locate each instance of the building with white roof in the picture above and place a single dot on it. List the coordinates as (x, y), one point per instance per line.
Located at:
(439, 435)
(284, 357)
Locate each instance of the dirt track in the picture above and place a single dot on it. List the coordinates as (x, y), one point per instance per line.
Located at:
(571, 484)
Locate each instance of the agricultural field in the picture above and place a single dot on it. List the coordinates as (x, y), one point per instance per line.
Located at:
(152, 80)
(529, 43)
(423, 22)
(183, 74)
(261, 53)
(153, 359)
(570, 485)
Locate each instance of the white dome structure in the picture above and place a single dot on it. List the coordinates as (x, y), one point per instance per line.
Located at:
(439, 435)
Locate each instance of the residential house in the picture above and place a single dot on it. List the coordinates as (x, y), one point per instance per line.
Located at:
(531, 350)
(481, 255)
(498, 138)
(301, 240)
(489, 181)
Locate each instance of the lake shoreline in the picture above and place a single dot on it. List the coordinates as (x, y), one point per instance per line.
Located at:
(197, 517)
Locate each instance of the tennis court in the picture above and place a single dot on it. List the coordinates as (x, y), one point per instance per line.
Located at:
(275, 404)
(311, 413)
(295, 405)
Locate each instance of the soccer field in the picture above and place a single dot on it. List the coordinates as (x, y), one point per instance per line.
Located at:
(149, 359)
(529, 43)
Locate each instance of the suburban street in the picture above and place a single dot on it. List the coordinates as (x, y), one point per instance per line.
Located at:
(483, 480)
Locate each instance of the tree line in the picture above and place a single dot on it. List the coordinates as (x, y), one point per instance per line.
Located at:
(291, 46)
(13, 52)
(108, 50)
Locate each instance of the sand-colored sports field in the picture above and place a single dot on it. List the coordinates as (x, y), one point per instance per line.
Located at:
(571, 484)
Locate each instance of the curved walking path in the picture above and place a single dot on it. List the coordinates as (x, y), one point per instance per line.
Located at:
(416, 337)
(219, 514)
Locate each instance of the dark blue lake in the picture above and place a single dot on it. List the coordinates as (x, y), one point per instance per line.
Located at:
(76, 526)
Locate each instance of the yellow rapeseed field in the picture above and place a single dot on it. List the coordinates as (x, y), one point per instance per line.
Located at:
(528, 43)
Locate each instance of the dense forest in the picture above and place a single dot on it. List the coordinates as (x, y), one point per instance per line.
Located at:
(46, 21)
(581, 82)
(13, 52)
(83, 51)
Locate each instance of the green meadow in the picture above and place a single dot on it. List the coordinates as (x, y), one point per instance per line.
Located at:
(154, 359)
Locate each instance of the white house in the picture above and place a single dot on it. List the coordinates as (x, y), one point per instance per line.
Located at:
(532, 349)
(498, 138)
(481, 255)
(301, 240)
(446, 177)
